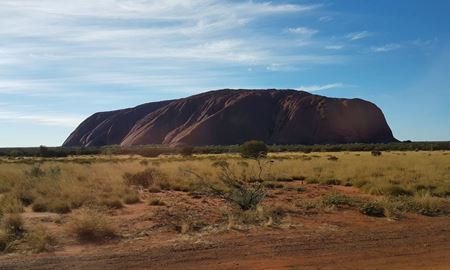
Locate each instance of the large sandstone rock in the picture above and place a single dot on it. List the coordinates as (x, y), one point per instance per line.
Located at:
(226, 117)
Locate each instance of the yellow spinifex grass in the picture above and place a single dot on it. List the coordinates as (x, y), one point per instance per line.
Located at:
(80, 181)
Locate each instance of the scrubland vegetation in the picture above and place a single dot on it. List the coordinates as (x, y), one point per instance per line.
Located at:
(82, 198)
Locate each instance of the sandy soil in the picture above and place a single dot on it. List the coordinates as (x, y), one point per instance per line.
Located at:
(339, 239)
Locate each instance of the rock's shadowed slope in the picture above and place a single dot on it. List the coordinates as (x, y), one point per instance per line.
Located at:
(226, 117)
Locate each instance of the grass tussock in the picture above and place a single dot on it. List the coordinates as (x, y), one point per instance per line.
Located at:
(91, 226)
(11, 230)
(39, 240)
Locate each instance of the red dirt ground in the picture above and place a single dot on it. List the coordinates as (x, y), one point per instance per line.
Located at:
(335, 239)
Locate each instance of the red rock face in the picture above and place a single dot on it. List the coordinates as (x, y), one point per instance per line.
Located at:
(226, 117)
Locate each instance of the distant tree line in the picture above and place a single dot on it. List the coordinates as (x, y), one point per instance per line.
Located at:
(156, 150)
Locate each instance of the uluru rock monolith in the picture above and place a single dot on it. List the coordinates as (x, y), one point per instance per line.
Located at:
(228, 117)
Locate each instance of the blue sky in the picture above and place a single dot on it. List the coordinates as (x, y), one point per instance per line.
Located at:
(62, 60)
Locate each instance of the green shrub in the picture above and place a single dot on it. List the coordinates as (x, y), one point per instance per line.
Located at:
(254, 149)
(426, 205)
(338, 199)
(247, 196)
(372, 208)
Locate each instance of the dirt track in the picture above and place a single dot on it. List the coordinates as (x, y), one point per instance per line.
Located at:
(339, 241)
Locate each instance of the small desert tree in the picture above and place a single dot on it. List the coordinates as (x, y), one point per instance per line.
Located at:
(256, 150)
(236, 189)
(242, 193)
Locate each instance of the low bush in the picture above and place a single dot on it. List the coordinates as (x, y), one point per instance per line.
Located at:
(91, 226)
(285, 179)
(250, 217)
(333, 158)
(372, 208)
(13, 224)
(298, 178)
(112, 203)
(395, 191)
(338, 199)
(35, 171)
(376, 153)
(273, 185)
(330, 182)
(39, 240)
(360, 183)
(156, 202)
(56, 205)
(312, 181)
(247, 196)
(10, 204)
(427, 205)
(132, 198)
(145, 179)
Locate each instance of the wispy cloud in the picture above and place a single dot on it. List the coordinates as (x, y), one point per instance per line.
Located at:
(325, 18)
(52, 119)
(305, 31)
(386, 47)
(319, 87)
(358, 35)
(334, 47)
(73, 45)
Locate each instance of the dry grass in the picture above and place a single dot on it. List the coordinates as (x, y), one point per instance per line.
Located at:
(398, 182)
(64, 184)
(91, 226)
(39, 239)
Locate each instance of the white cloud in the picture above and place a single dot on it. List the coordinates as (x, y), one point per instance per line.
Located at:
(386, 48)
(303, 31)
(185, 30)
(52, 119)
(312, 88)
(334, 47)
(174, 45)
(325, 18)
(358, 35)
